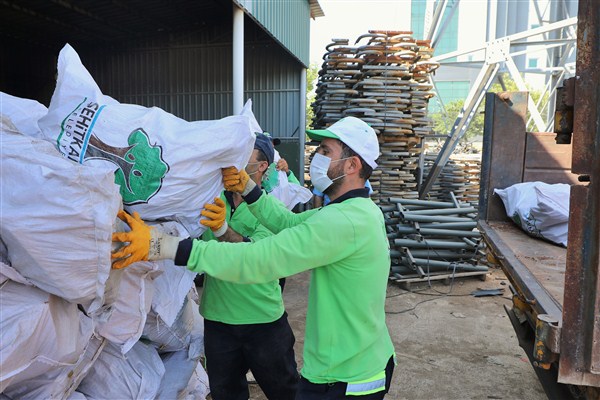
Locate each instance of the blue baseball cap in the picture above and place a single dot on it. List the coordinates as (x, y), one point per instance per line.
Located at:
(264, 144)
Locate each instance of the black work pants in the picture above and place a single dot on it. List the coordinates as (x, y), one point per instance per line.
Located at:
(337, 391)
(266, 349)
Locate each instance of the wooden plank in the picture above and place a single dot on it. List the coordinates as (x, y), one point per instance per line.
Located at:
(545, 261)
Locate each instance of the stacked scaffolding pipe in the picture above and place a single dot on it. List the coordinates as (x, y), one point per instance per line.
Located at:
(384, 80)
(459, 176)
(430, 238)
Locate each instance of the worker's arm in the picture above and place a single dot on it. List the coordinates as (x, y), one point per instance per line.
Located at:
(269, 211)
(303, 247)
(273, 214)
(306, 246)
(215, 218)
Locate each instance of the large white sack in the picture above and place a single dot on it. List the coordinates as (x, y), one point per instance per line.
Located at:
(125, 322)
(40, 333)
(61, 382)
(187, 332)
(77, 396)
(173, 285)
(135, 375)
(23, 113)
(198, 387)
(276, 184)
(179, 369)
(167, 168)
(171, 289)
(540, 209)
(3, 252)
(9, 273)
(57, 219)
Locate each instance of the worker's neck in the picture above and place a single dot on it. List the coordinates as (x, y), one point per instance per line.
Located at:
(346, 186)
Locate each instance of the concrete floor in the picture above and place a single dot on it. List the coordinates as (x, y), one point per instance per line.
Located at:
(448, 347)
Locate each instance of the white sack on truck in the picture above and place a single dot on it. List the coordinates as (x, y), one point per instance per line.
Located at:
(540, 209)
(40, 333)
(57, 219)
(23, 114)
(135, 375)
(167, 168)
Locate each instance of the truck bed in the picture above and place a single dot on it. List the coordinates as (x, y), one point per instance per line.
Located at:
(535, 268)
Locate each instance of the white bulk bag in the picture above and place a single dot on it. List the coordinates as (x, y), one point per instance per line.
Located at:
(135, 375)
(187, 332)
(172, 286)
(540, 209)
(167, 168)
(60, 382)
(23, 113)
(57, 219)
(9, 273)
(198, 387)
(170, 290)
(40, 333)
(127, 317)
(179, 369)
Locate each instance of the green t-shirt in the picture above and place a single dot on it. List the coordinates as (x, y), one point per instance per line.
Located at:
(235, 303)
(345, 246)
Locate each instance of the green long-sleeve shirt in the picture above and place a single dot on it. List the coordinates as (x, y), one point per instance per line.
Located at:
(345, 246)
(236, 303)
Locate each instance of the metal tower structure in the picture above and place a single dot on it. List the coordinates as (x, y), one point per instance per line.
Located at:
(556, 35)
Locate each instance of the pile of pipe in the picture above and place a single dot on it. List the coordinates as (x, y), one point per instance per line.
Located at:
(432, 238)
(460, 176)
(382, 79)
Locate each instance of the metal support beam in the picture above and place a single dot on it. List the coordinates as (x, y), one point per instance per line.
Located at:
(482, 83)
(302, 122)
(436, 20)
(514, 72)
(238, 59)
(580, 356)
(445, 22)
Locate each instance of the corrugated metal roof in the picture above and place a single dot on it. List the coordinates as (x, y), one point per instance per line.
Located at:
(315, 9)
(287, 21)
(47, 22)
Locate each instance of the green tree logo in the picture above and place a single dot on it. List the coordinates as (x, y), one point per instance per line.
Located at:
(141, 168)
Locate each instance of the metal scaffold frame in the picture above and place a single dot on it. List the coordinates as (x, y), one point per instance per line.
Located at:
(558, 40)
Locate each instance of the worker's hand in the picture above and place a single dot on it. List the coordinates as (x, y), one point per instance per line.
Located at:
(215, 217)
(282, 165)
(237, 181)
(145, 242)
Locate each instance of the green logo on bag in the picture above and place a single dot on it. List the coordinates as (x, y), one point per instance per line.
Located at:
(141, 168)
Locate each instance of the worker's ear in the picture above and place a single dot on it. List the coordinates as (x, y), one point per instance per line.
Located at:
(354, 165)
(263, 166)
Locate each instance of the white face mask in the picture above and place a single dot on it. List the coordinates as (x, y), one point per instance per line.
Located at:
(252, 163)
(318, 172)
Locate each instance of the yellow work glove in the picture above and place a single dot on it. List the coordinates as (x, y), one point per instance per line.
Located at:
(237, 181)
(215, 214)
(145, 243)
